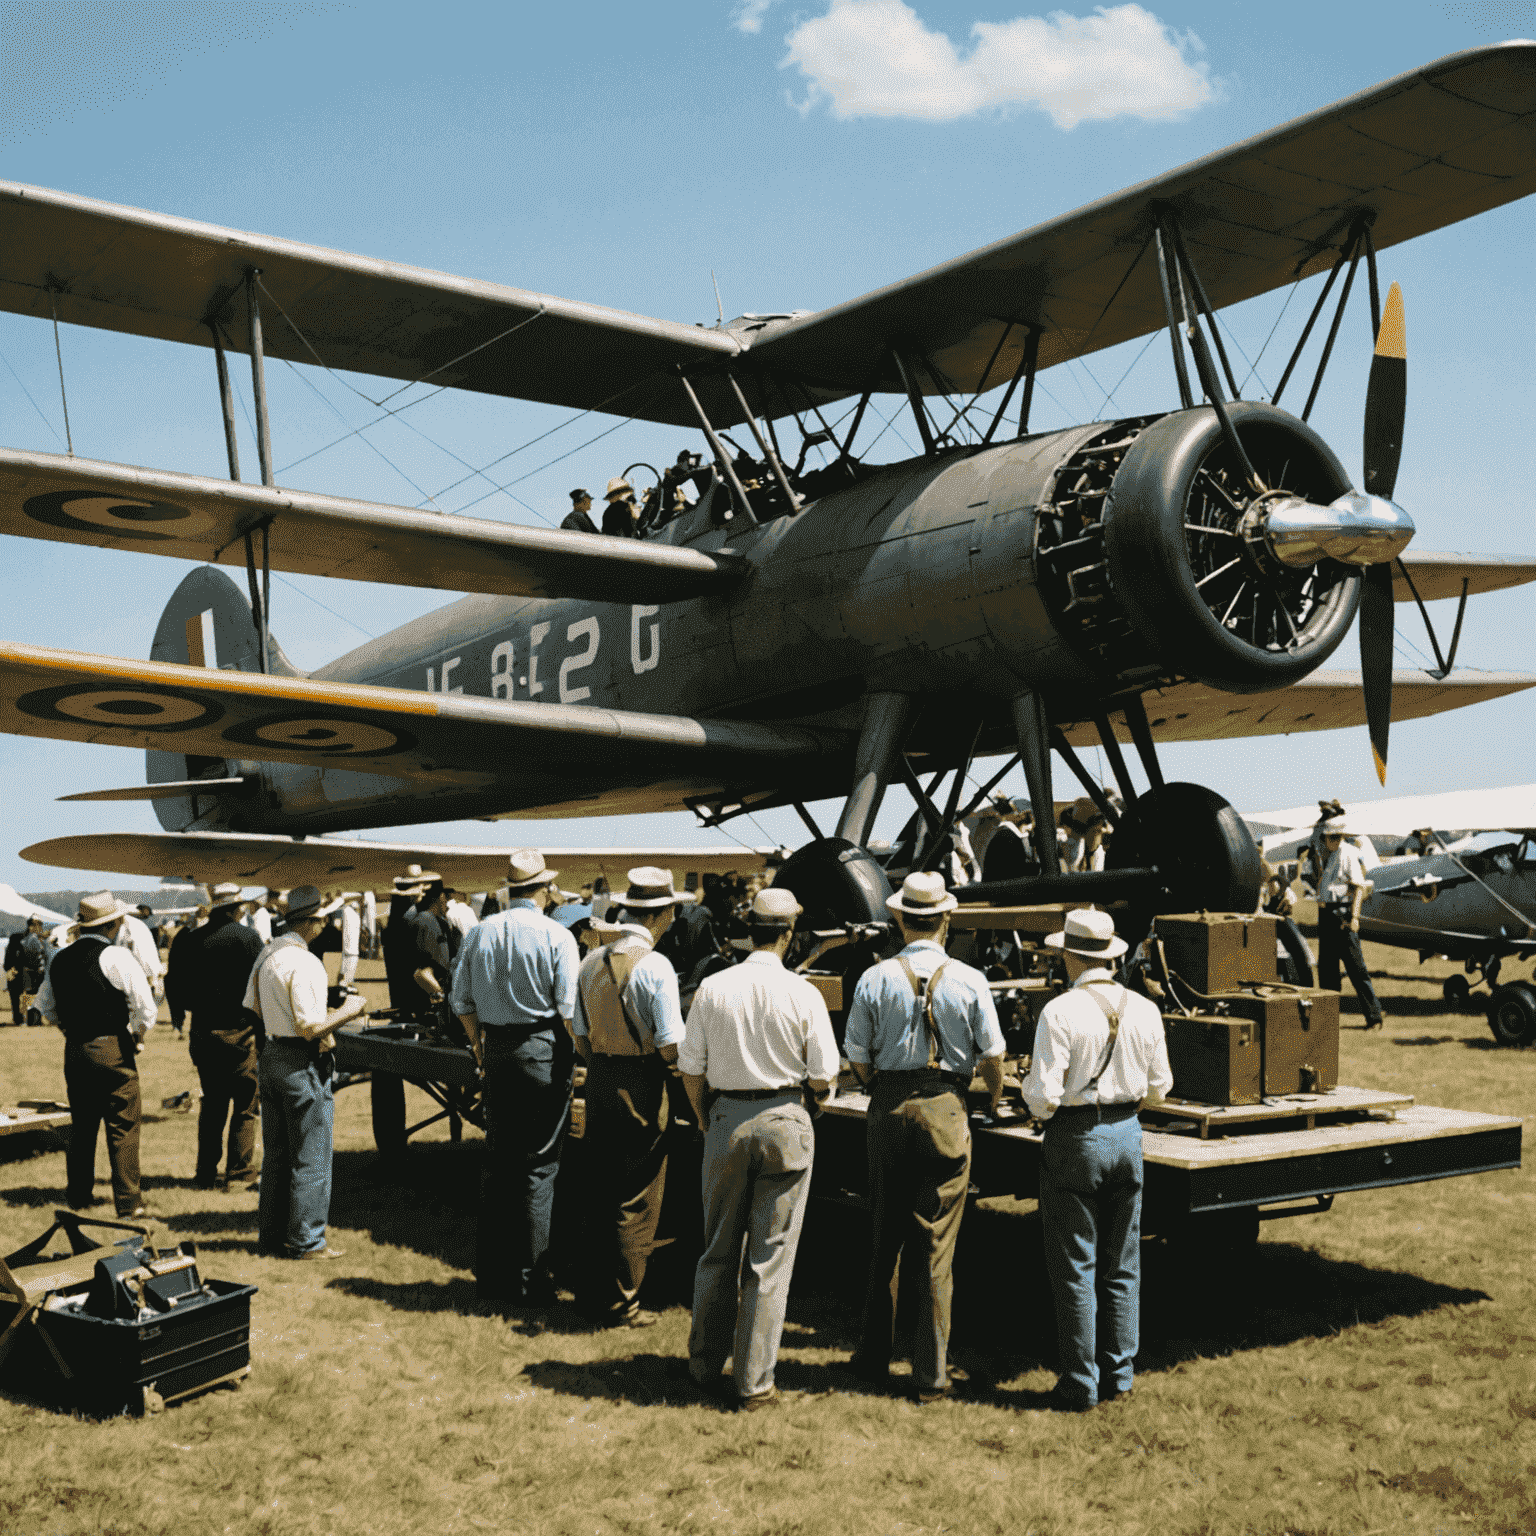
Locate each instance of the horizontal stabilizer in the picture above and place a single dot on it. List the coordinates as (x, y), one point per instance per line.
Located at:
(282, 862)
(166, 791)
(543, 754)
(1437, 575)
(1325, 701)
(192, 517)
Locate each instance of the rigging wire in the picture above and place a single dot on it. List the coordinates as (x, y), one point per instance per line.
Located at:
(1124, 376)
(33, 403)
(1254, 368)
(316, 601)
(58, 350)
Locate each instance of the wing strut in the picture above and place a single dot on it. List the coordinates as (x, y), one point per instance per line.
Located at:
(722, 458)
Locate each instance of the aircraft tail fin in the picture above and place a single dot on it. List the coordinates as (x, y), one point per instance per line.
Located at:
(207, 623)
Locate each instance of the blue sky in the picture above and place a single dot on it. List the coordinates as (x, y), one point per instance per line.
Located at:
(618, 153)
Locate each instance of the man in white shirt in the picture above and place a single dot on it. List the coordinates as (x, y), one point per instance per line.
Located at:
(1341, 888)
(287, 993)
(259, 919)
(460, 916)
(99, 998)
(351, 935)
(133, 935)
(1100, 1050)
(757, 1036)
(627, 1028)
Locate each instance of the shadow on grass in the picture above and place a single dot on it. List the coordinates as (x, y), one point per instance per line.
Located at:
(1470, 1042)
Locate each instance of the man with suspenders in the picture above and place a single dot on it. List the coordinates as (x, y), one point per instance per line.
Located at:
(628, 1026)
(920, 1025)
(1099, 1052)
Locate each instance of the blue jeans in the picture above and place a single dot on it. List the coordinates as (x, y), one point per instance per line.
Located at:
(1090, 1205)
(527, 1098)
(297, 1112)
(757, 1178)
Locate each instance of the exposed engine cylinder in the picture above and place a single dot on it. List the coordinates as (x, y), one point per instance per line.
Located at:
(1142, 559)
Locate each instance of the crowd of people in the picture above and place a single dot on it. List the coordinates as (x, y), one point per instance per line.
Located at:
(541, 982)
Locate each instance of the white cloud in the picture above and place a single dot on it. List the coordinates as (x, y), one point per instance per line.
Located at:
(876, 58)
(748, 15)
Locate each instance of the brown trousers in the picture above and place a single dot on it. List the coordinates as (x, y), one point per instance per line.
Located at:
(102, 1081)
(627, 1118)
(226, 1068)
(919, 1143)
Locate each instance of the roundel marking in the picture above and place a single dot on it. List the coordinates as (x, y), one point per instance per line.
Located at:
(329, 735)
(135, 707)
(92, 512)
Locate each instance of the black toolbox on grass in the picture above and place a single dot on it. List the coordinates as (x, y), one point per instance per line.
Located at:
(117, 1326)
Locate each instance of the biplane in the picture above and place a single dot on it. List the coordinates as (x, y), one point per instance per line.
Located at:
(792, 635)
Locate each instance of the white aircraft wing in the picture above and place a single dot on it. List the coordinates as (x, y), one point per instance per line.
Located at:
(193, 517)
(1435, 575)
(13, 904)
(1512, 809)
(281, 862)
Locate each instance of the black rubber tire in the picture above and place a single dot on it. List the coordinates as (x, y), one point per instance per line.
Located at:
(1148, 555)
(1512, 1014)
(1457, 993)
(386, 1093)
(1203, 848)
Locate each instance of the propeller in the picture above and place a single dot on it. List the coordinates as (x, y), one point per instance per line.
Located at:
(1386, 404)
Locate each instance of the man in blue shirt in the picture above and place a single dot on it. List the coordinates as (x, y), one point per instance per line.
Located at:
(920, 1026)
(514, 990)
(628, 1026)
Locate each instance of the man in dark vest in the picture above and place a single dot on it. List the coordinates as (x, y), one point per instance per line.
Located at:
(628, 1026)
(97, 994)
(219, 957)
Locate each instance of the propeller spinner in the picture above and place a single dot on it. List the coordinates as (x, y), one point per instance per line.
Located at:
(1361, 528)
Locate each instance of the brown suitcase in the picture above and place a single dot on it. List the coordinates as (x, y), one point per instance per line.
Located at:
(1215, 952)
(1215, 1060)
(1299, 1034)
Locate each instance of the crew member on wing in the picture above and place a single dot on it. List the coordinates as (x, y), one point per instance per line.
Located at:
(621, 515)
(579, 518)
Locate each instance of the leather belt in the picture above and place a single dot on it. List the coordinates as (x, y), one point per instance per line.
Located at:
(757, 1093)
(1097, 1112)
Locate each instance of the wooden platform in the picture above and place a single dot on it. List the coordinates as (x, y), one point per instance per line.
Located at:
(1173, 1116)
(35, 1115)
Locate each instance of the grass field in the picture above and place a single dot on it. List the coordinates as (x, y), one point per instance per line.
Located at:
(1370, 1371)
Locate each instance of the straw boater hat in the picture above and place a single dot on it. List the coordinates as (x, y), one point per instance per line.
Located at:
(618, 487)
(99, 910)
(1090, 934)
(225, 894)
(526, 871)
(1336, 826)
(923, 895)
(303, 902)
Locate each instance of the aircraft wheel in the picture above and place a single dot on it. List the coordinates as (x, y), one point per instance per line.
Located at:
(1200, 844)
(1512, 1014)
(1456, 992)
(387, 1100)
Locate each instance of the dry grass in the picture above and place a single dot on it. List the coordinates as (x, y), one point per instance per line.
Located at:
(1371, 1372)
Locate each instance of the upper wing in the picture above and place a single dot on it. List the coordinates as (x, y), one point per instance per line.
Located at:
(78, 501)
(1419, 152)
(150, 274)
(282, 862)
(1441, 575)
(1325, 701)
(543, 754)
(1512, 809)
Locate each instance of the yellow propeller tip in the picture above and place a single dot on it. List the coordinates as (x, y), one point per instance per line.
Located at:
(1392, 339)
(1381, 766)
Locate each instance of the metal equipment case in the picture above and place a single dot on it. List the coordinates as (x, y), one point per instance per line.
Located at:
(1213, 952)
(1215, 1059)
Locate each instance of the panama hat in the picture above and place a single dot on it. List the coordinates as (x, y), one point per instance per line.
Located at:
(1336, 826)
(303, 902)
(652, 887)
(225, 894)
(525, 869)
(618, 486)
(1089, 933)
(407, 884)
(775, 907)
(100, 909)
(923, 895)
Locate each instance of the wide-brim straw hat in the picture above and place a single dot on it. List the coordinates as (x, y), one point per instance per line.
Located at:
(100, 909)
(225, 894)
(1337, 826)
(303, 903)
(618, 487)
(650, 887)
(1090, 934)
(923, 894)
(526, 870)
